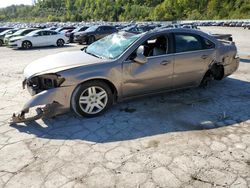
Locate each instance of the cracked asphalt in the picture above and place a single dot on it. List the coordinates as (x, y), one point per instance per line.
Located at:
(188, 138)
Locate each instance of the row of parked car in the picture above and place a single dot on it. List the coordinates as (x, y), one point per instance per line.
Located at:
(27, 38)
(244, 24)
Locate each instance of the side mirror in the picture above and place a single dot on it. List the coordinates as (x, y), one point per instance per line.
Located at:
(83, 49)
(35, 35)
(140, 58)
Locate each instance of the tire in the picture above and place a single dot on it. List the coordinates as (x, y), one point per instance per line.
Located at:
(91, 39)
(26, 45)
(1, 42)
(91, 99)
(60, 42)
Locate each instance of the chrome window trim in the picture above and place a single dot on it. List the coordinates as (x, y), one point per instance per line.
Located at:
(159, 56)
(194, 51)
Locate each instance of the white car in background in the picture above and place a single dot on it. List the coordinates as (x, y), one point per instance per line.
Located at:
(39, 38)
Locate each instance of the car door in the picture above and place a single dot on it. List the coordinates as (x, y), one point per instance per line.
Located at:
(153, 76)
(38, 39)
(191, 59)
(52, 37)
(49, 38)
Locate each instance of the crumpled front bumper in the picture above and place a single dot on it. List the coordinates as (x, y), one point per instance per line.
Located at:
(55, 101)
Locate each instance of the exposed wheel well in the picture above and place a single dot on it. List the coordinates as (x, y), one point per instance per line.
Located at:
(110, 84)
(217, 71)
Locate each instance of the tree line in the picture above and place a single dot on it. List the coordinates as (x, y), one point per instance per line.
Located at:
(127, 10)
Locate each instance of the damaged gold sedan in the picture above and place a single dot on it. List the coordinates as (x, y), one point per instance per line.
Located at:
(125, 65)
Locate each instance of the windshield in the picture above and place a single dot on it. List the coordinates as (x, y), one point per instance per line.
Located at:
(19, 32)
(77, 29)
(11, 31)
(32, 33)
(4, 32)
(90, 29)
(112, 46)
(59, 29)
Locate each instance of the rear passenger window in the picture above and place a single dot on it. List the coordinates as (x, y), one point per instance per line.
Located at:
(187, 43)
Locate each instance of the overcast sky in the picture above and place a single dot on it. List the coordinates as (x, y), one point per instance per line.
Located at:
(5, 3)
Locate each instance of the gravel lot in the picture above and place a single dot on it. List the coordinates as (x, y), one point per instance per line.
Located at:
(190, 138)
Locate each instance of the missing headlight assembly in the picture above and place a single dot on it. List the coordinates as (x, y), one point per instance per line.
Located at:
(40, 83)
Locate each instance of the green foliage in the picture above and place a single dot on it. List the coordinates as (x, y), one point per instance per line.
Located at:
(127, 10)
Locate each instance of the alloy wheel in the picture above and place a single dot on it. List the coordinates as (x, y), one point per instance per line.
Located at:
(93, 100)
(26, 45)
(60, 43)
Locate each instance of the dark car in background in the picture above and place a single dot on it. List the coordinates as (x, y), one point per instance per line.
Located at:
(93, 34)
(72, 33)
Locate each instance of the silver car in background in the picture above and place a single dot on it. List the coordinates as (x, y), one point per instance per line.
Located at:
(124, 65)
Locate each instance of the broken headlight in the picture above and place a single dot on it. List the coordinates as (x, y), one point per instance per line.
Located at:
(44, 82)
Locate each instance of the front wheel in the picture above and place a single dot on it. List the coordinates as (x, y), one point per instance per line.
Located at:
(91, 99)
(26, 45)
(60, 43)
(1, 42)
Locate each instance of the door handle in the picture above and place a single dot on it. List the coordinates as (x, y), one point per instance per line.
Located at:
(204, 57)
(165, 62)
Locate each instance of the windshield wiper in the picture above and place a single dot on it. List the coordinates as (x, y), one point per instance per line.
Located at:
(100, 57)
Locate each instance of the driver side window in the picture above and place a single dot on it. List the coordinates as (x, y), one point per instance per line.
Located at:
(153, 47)
(156, 46)
(39, 33)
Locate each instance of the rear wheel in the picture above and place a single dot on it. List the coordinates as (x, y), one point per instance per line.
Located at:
(60, 43)
(1, 42)
(91, 99)
(91, 39)
(26, 45)
(216, 72)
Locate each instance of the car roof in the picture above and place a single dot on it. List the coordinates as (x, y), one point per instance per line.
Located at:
(180, 30)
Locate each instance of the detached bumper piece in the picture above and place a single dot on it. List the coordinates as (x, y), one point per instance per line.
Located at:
(44, 112)
(20, 118)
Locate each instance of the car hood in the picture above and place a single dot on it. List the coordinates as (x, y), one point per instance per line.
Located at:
(8, 36)
(16, 37)
(59, 62)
